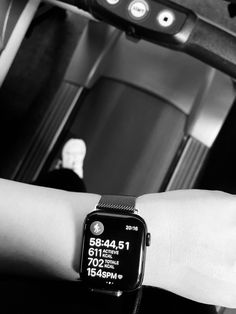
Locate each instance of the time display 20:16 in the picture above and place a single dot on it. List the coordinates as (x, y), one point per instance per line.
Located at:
(116, 245)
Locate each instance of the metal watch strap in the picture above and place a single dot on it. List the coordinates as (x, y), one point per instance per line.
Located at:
(118, 202)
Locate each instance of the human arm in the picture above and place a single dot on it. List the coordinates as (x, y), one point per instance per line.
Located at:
(40, 230)
(192, 249)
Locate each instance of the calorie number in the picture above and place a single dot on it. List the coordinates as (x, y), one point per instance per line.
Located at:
(95, 252)
(95, 262)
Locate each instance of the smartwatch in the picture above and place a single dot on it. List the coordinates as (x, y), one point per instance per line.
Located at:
(114, 245)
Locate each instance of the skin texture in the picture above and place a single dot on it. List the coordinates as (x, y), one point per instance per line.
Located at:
(193, 254)
(193, 238)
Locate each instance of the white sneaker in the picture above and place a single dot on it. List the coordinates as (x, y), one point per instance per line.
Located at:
(73, 154)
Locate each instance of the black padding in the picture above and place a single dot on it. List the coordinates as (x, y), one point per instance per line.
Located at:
(59, 297)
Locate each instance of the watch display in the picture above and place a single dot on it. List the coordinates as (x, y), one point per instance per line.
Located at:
(113, 251)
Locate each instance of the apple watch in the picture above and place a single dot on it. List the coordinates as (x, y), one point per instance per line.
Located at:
(114, 245)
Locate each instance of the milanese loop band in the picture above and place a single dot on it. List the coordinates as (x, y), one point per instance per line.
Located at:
(117, 202)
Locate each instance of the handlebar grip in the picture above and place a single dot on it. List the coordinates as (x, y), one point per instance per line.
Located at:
(213, 45)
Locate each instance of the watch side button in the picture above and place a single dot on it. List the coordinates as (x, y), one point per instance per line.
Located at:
(148, 239)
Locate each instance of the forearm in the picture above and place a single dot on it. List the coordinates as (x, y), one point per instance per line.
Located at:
(41, 229)
(192, 247)
(193, 244)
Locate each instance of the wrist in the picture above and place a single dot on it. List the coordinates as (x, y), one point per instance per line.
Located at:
(158, 260)
(80, 204)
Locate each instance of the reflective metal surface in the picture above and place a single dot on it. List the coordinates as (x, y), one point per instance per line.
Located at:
(189, 166)
(50, 129)
(211, 108)
(17, 36)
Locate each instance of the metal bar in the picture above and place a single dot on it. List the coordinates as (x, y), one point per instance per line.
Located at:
(10, 50)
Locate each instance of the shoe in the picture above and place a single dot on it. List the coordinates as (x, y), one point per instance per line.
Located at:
(73, 154)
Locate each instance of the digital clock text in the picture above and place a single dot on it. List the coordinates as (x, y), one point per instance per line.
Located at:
(116, 245)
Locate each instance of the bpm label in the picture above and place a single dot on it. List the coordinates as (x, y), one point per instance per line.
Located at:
(97, 228)
(138, 9)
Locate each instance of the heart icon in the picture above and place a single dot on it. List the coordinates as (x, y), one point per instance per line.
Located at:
(120, 277)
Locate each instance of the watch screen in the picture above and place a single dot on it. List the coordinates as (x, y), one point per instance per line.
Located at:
(113, 251)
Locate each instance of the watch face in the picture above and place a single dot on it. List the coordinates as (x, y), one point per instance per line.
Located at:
(113, 251)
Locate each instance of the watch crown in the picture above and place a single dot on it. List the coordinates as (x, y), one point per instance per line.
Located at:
(148, 239)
